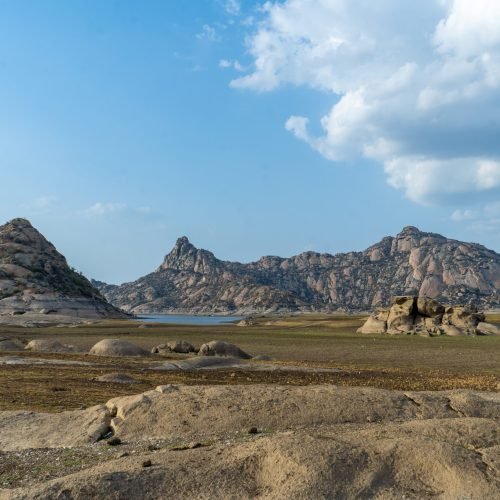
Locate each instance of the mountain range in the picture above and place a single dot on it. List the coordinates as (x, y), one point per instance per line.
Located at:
(192, 280)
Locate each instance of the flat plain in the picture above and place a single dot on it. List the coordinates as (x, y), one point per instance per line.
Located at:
(310, 350)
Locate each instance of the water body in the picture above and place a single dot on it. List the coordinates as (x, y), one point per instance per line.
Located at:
(181, 319)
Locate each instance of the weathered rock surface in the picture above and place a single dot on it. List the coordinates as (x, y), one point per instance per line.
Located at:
(10, 345)
(220, 348)
(178, 346)
(320, 442)
(191, 280)
(117, 378)
(36, 279)
(49, 345)
(426, 316)
(117, 347)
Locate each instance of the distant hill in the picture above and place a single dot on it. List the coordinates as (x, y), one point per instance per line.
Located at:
(35, 278)
(192, 280)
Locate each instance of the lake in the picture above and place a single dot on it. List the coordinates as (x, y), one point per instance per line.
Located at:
(186, 319)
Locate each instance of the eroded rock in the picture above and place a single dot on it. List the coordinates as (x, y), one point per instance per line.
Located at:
(220, 348)
(117, 347)
(427, 317)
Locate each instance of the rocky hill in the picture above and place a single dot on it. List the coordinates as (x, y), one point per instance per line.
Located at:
(36, 279)
(192, 280)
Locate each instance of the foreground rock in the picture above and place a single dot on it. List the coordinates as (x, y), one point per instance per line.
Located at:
(319, 442)
(36, 281)
(117, 347)
(426, 316)
(220, 348)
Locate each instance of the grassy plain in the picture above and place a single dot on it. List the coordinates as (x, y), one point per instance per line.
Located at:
(308, 341)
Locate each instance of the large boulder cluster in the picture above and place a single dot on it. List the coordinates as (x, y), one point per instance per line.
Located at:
(411, 315)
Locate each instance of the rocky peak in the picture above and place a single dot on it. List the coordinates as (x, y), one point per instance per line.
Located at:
(186, 257)
(409, 231)
(35, 276)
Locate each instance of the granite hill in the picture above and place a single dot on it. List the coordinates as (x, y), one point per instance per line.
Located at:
(35, 279)
(193, 280)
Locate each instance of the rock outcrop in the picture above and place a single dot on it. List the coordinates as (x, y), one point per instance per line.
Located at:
(117, 347)
(191, 280)
(220, 348)
(177, 346)
(427, 317)
(36, 279)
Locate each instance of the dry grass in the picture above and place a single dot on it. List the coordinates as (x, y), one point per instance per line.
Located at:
(402, 362)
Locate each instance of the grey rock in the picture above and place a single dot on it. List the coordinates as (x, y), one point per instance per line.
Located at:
(220, 348)
(193, 280)
(35, 279)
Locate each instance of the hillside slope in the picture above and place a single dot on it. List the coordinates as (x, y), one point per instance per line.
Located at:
(193, 280)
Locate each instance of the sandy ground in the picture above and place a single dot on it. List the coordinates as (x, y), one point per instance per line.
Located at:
(261, 442)
(329, 415)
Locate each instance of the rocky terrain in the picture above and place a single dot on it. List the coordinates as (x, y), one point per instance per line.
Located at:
(258, 441)
(427, 317)
(192, 280)
(36, 281)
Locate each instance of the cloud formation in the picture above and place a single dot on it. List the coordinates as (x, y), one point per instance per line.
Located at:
(415, 86)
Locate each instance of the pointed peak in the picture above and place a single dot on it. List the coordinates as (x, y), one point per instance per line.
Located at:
(410, 231)
(183, 240)
(20, 223)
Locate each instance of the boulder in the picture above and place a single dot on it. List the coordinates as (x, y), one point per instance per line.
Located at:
(487, 329)
(427, 317)
(452, 331)
(373, 325)
(220, 348)
(463, 317)
(117, 347)
(429, 308)
(49, 345)
(402, 314)
(178, 346)
(10, 345)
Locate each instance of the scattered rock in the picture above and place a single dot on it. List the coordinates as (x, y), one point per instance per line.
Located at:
(117, 378)
(164, 389)
(49, 345)
(178, 346)
(262, 357)
(220, 348)
(253, 430)
(114, 441)
(117, 347)
(428, 318)
(10, 345)
(487, 329)
(147, 463)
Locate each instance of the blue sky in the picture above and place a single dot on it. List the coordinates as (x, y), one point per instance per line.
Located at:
(251, 128)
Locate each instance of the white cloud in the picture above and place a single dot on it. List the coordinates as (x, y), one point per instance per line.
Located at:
(415, 86)
(207, 33)
(233, 7)
(40, 204)
(101, 209)
(225, 63)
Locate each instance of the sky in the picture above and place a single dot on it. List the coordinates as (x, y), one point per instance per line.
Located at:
(253, 128)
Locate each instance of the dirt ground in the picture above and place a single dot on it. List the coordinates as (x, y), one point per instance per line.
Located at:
(325, 342)
(328, 413)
